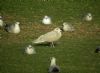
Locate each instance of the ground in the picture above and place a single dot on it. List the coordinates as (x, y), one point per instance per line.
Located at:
(74, 51)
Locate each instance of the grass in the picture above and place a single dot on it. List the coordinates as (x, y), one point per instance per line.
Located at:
(74, 51)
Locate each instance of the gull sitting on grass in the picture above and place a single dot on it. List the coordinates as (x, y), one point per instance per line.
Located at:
(46, 20)
(50, 37)
(14, 28)
(88, 17)
(1, 22)
(67, 27)
(30, 50)
(53, 67)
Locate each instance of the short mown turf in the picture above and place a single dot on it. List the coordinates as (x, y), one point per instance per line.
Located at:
(75, 51)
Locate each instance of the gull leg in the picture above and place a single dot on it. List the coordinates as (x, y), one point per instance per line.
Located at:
(52, 44)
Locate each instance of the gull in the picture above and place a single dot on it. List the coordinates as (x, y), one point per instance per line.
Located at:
(14, 28)
(88, 17)
(50, 37)
(46, 20)
(67, 27)
(53, 67)
(30, 50)
(1, 22)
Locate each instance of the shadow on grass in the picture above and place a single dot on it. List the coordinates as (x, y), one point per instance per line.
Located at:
(45, 44)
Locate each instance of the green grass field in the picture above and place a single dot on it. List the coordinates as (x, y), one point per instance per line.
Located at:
(74, 51)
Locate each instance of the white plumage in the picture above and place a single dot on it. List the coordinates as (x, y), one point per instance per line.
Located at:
(88, 17)
(53, 67)
(14, 28)
(53, 61)
(30, 50)
(67, 27)
(46, 20)
(1, 22)
(49, 37)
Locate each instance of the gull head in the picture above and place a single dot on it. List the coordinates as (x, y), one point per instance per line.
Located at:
(0, 17)
(30, 50)
(17, 23)
(29, 46)
(46, 17)
(88, 17)
(89, 14)
(57, 29)
(65, 24)
(53, 58)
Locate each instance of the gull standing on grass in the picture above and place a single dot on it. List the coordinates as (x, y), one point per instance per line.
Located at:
(46, 20)
(53, 67)
(50, 37)
(88, 17)
(67, 27)
(14, 28)
(30, 50)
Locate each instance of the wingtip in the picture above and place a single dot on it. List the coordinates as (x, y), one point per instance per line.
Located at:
(35, 42)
